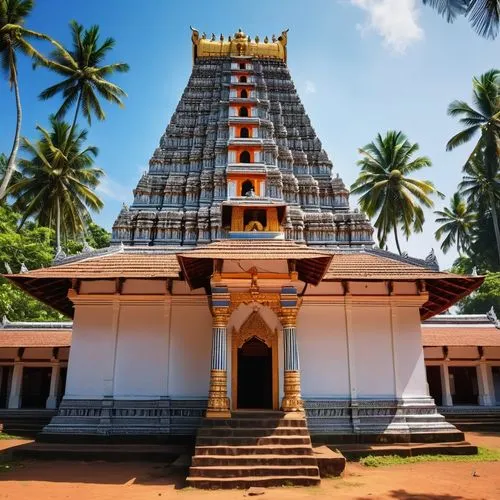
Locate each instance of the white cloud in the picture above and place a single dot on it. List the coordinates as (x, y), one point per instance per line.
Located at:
(310, 87)
(396, 21)
(114, 190)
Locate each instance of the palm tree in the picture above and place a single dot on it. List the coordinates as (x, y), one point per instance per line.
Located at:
(14, 39)
(484, 15)
(386, 190)
(84, 77)
(483, 165)
(481, 185)
(457, 223)
(58, 180)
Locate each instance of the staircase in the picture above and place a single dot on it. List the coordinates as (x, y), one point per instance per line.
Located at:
(253, 448)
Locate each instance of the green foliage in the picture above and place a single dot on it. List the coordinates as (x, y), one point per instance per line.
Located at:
(481, 301)
(483, 455)
(58, 182)
(84, 76)
(483, 15)
(386, 188)
(457, 223)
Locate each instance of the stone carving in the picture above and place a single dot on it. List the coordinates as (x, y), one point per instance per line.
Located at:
(254, 323)
(187, 172)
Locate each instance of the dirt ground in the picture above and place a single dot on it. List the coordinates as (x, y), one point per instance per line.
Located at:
(63, 480)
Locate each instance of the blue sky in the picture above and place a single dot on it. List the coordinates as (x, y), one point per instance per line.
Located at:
(360, 66)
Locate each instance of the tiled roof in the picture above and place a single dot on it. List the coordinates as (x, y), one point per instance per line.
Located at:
(363, 265)
(460, 336)
(38, 338)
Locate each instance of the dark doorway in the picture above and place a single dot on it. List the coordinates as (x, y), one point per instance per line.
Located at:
(242, 66)
(244, 94)
(244, 132)
(255, 376)
(434, 381)
(243, 111)
(245, 157)
(463, 385)
(36, 387)
(243, 79)
(246, 187)
(495, 371)
(5, 381)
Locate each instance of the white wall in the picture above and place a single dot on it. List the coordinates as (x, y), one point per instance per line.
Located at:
(141, 368)
(190, 349)
(90, 366)
(372, 345)
(409, 354)
(321, 337)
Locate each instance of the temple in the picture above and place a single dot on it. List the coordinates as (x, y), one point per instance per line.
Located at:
(242, 293)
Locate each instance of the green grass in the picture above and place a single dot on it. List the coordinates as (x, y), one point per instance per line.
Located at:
(8, 436)
(484, 455)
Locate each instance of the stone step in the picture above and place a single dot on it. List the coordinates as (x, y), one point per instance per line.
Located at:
(252, 432)
(246, 460)
(248, 482)
(258, 414)
(249, 441)
(303, 450)
(254, 471)
(253, 423)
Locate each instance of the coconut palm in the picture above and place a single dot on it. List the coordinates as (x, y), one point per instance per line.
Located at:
(457, 223)
(84, 77)
(15, 39)
(483, 165)
(386, 189)
(481, 186)
(484, 15)
(58, 180)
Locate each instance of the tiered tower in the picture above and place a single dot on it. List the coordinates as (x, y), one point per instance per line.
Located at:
(240, 159)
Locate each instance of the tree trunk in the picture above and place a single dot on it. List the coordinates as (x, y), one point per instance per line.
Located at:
(396, 238)
(494, 216)
(77, 110)
(58, 227)
(11, 164)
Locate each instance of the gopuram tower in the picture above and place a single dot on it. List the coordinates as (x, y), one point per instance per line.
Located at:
(240, 158)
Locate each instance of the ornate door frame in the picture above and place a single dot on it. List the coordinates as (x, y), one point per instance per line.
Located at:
(254, 326)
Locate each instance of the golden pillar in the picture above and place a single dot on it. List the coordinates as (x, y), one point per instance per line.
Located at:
(292, 400)
(218, 402)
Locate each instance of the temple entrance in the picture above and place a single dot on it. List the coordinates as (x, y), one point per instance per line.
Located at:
(254, 365)
(36, 387)
(5, 381)
(434, 381)
(255, 377)
(463, 385)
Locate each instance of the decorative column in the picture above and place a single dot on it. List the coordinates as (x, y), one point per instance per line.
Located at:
(485, 396)
(445, 385)
(218, 402)
(15, 386)
(55, 378)
(292, 400)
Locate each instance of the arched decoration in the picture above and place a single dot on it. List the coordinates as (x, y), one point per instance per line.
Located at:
(243, 111)
(246, 187)
(245, 157)
(254, 327)
(244, 94)
(243, 79)
(244, 133)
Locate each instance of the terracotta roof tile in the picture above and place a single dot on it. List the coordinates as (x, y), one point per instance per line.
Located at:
(38, 338)
(460, 336)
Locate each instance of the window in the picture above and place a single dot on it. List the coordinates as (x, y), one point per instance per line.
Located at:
(244, 132)
(247, 187)
(244, 94)
(245, 157)
(242, 66)
(243, 111)
(243, 79)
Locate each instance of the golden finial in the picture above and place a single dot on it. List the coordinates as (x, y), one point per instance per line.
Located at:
(213, 37)
(203, 35)
(221, 37)
(257, 39)
(229, 38)
(273, 38)
(266, 40)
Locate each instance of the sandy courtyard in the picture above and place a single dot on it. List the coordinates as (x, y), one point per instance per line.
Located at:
(58, 480)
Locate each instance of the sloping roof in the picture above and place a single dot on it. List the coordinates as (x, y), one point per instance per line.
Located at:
(437, 336)
(197, 264)
(51, 284)
(35, 338)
